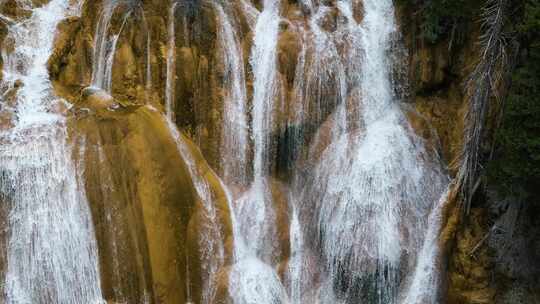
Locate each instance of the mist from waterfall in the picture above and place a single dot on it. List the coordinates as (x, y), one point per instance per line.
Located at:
(51, 248)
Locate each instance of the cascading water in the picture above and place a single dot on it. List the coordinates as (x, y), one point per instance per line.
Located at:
(252, 278)
(51, 250)
(365, 204)
(320, 83)
(255, 211)
(105, 46)
(170, 83)
(375, 184)
(425, 281)
(148, 53)
(235, 127)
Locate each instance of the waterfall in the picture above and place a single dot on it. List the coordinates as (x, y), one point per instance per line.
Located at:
(102, 49)
(51, 247)
(255, 211)
(252, 278)
(105, 46)
(364, 196)
(148, 53)
(170, 83)
(424, 286)
(265, 85)
(298, 276)
(235, 127)
(375, 184)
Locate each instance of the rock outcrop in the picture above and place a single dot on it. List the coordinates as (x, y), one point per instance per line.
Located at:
(142, 198)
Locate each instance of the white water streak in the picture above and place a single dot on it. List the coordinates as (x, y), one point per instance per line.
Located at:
(105, 47)
(252, 279)
(51, 248)
(210, 233)
(234, 138)
(170, 84)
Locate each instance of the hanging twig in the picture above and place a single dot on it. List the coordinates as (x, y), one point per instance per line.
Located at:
(483, 240)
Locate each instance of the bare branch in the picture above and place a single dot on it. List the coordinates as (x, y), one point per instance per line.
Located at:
(486, 81)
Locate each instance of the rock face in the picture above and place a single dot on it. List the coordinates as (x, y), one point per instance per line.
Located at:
(142, 198)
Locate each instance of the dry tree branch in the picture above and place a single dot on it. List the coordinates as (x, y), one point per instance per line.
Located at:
(486, 82)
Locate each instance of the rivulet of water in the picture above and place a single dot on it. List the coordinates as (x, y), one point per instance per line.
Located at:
(105, 43)
(170, 83)
(210, 236)
(234, 138)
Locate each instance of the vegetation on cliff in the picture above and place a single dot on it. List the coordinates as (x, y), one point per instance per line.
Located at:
(515, 169)
(444, 19)
(512, 154)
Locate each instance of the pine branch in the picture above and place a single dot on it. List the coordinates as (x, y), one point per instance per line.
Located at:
(485, 83)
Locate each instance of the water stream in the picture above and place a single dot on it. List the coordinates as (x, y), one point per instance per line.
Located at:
(375, 184)
(51, 248)
(235, 127)
(105, 44)
(210, 236)
(211, 240)
(170, 83)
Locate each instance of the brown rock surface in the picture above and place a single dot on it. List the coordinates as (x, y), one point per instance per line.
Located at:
(141, 196)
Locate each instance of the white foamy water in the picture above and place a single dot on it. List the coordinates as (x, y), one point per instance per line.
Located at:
(375, 184)
(51, 247)
(252, 278)
(234, 137)
(252, 281)
(105, 45)
(425, 282)
(254, 210)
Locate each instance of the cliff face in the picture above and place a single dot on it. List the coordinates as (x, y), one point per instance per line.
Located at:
(482, 262)
(146, 207)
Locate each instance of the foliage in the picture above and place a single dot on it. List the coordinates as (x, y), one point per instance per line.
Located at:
(442, 19)
(515, 168)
